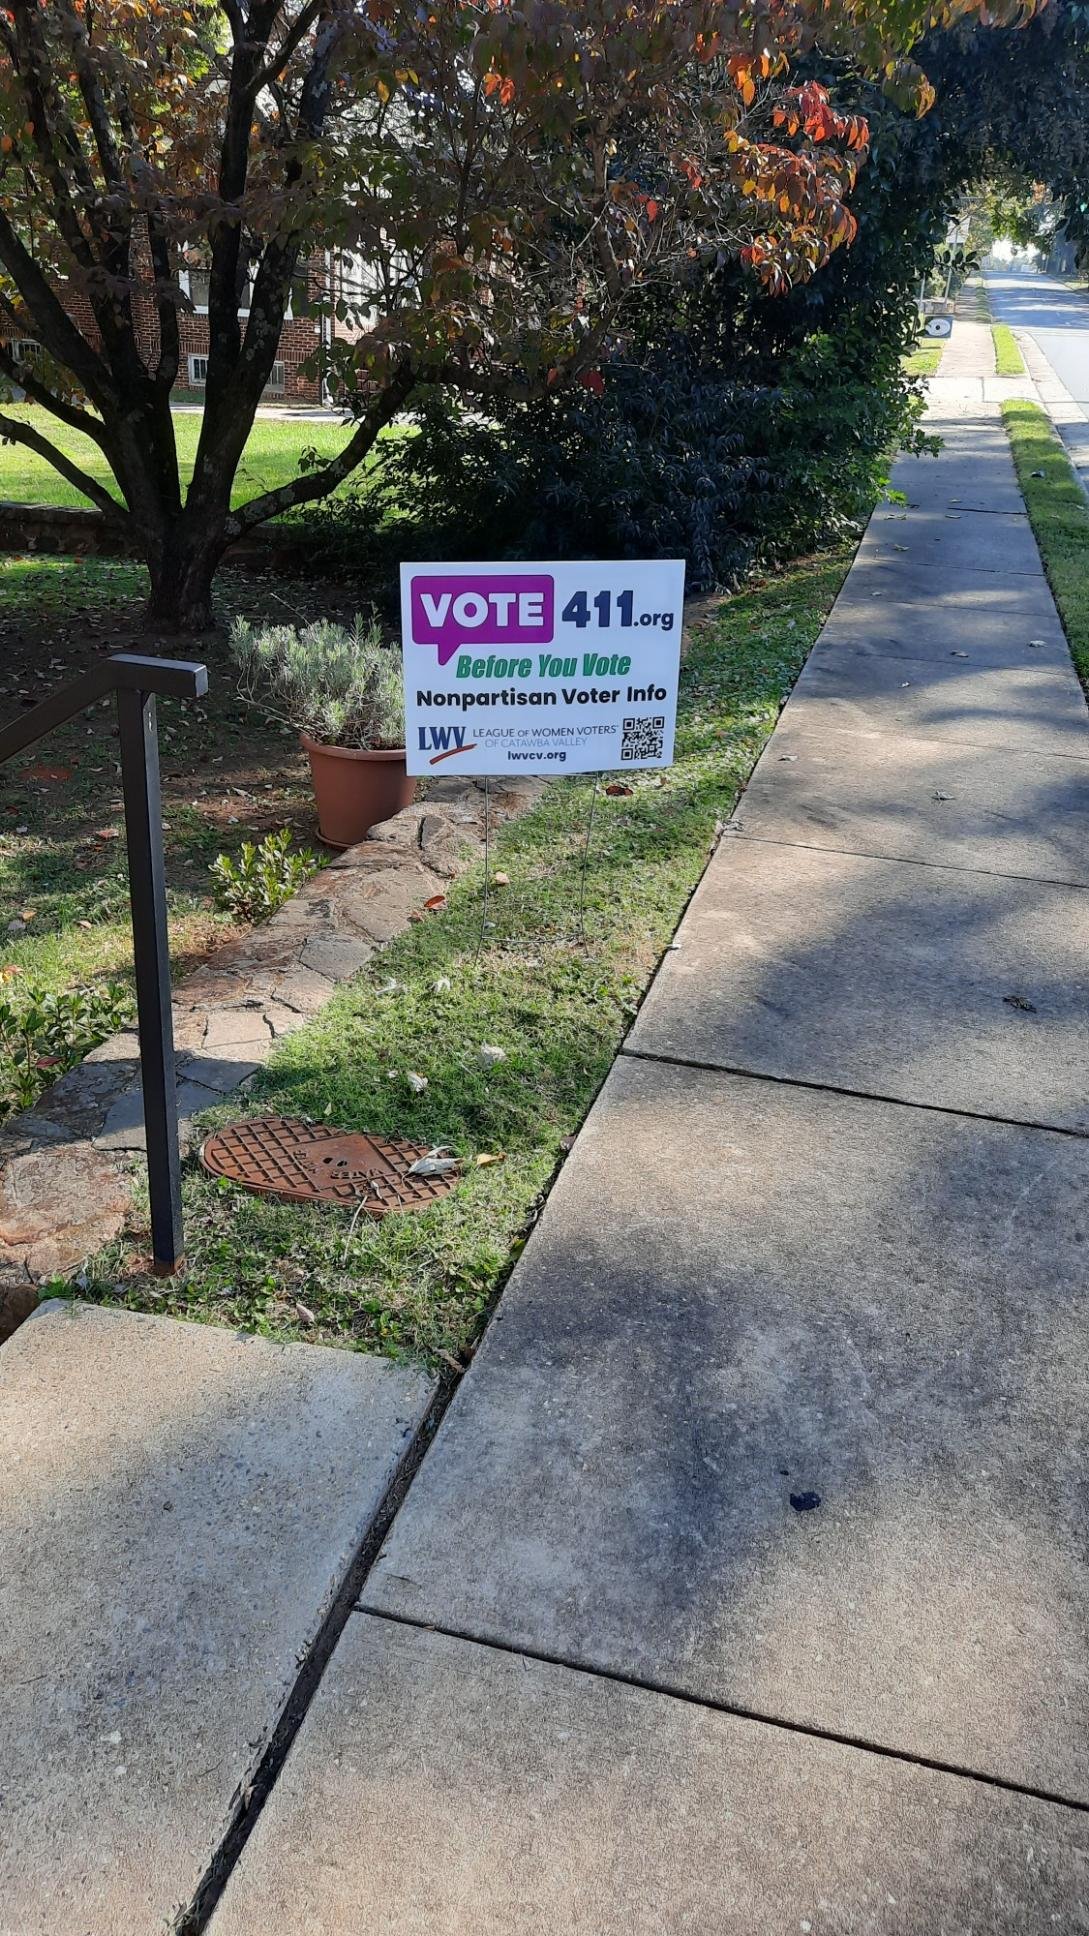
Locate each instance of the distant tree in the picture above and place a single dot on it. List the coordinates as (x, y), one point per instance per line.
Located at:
(503, 180)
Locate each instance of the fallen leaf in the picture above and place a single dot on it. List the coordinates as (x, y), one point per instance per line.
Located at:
(29, 914)
(416, 1083)
(107, 833)
(1019, 1001)
(500, 880)
(307, 1315)
(436, 901)
(484, 1162)
(618, 791)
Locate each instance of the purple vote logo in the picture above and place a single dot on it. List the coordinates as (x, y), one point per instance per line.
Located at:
(453, 611)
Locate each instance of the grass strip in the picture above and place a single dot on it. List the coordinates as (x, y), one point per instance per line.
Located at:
(925, 359)
(1008, 360)
(556, 1002)
(1059, 514)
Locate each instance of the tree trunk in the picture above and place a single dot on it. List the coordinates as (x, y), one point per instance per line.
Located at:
(182, 565)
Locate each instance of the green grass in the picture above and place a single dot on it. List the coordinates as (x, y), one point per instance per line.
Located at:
(271, 457)
(1008, 360)
(1059, 514)
(556, 1002)
(925, 358)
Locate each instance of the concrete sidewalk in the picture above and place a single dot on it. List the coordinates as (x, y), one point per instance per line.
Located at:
(744, 1590)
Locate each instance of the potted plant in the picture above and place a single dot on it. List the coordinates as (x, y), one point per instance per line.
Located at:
(340, 687)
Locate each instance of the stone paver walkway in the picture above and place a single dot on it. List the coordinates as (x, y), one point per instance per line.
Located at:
(745, 1589)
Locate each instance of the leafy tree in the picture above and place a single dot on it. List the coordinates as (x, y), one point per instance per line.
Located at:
(736, 428)
(506, 179)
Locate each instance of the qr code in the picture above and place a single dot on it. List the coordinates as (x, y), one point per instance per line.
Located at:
(643, 739)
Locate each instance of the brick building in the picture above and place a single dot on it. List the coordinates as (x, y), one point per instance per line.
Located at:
(297, 375)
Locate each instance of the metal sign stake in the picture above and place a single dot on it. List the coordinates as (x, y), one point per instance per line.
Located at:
(136, 680)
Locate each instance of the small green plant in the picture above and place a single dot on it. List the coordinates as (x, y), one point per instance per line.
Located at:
(263, 877)
(341, 684)
(43, 1032)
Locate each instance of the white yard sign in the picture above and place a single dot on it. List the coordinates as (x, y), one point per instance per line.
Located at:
(541, 668)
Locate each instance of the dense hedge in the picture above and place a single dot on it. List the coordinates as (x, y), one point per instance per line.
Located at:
(734, 427)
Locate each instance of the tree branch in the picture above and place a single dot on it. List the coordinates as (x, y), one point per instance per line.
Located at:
(289, 46)
(317, 484)
(65, 412)
(21, 433)
(51, 320)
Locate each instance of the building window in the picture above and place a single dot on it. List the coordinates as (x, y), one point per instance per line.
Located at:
(277, 382)
(195, 284)
(198, 372)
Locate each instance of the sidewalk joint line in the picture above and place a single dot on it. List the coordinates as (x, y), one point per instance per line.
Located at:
(734, 1710)
(247, 1804)
(904, 860)
(856, 1095)
(924, 739)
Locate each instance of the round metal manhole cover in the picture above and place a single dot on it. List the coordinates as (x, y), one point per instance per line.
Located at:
(285, 1156)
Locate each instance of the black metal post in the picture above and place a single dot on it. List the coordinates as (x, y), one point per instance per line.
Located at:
(136, 680)
(136, 714)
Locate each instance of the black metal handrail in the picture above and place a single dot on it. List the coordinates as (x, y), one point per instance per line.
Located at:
(137, 681)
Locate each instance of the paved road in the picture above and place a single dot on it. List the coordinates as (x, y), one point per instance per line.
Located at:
(1055, 316)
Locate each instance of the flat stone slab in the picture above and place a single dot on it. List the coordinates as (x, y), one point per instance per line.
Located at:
(180, 1506)
(784, 1408)
(964, 478)
(1024, 632)
(929, 984)
(1038, 707)
(442, 1787)
(918, 576)
(951, 540)
(922, 800)
(58, 1204)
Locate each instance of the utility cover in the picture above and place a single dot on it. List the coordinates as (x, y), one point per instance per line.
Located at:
(304, 1162)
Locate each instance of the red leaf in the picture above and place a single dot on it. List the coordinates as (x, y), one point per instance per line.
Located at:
(652, 210)
(593, 381)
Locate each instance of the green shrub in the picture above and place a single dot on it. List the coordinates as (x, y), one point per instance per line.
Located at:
(263, 877)
(45, 1032)
(339, 683)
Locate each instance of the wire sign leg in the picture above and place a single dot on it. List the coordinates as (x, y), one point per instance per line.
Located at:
(147, 889)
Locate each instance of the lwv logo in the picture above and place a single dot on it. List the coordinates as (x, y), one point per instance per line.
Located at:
(452, 610)
(443, 742)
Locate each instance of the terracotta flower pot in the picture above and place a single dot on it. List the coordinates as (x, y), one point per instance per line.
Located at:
(354, 790)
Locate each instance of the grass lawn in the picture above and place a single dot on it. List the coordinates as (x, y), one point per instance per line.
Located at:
(557, 1003)
(1059, 514)
(227, 774)
(271, 457)
(1008, 360)
(925, 358)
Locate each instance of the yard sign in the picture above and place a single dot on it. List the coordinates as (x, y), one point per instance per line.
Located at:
(567, 668)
